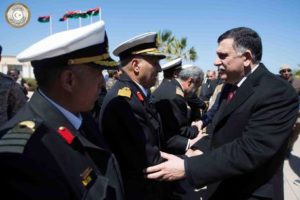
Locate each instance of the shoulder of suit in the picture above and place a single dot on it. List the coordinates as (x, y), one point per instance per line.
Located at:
(15, 139)
(179, 91)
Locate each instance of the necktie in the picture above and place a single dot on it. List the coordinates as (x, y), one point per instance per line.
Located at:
(231, 93)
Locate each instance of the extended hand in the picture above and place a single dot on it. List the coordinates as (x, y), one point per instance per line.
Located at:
(190, 152)
(198, 137)
(198, 124)
(170, 170)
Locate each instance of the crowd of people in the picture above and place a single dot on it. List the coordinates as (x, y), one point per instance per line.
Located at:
(82, 137)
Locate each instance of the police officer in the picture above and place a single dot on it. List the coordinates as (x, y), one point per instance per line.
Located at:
(136, 139)
(12, 97)
(50, 149)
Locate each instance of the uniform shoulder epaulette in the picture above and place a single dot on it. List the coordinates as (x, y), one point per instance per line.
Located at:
(124, 92)
(179, 91)
(16, 138)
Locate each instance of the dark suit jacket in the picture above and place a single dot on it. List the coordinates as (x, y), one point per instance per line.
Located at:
(173, 109)
(247, 147)
(39, 164)
(133, 130)
(12, 98)
(207, 89)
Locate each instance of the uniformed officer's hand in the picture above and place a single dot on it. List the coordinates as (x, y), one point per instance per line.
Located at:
(198, 124)
(191, 152)
(170, 170)
(198, 137)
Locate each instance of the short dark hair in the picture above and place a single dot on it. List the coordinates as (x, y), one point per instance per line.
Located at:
(45, 76)
(0, 50)
(245, 38)
(13, 69)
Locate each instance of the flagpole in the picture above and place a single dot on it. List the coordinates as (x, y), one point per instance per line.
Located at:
(79, 18)
(67, 23)
(50, 25)
(100, 17)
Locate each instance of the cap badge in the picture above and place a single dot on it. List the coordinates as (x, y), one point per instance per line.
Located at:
(124, 92)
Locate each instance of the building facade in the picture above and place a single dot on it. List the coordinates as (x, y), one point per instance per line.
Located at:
(10, 62)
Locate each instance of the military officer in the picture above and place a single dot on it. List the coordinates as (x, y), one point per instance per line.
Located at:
(136, 140)
(51, 149)
(171, 102)
(170, 99)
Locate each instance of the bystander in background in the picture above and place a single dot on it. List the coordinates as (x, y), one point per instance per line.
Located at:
(12, 97)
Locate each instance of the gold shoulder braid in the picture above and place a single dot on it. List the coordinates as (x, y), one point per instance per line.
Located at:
(124, 92)
(179, 92)
(16, 138)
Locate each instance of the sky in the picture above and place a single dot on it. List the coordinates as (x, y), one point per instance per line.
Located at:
(200, 21)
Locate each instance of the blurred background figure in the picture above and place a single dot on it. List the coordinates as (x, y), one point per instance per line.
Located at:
(208, 87)
(113, 75)
(11, 97)
(285, 72)
(15, 75)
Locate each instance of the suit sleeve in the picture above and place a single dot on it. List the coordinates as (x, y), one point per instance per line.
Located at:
(263, 138)
(181, 119)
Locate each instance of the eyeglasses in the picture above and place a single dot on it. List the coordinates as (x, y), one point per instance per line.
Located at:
(285, 70)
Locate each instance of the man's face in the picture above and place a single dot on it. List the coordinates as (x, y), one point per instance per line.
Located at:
(285, 73)
(13, 74)
(230, 60)
(148, 71)
(211, 75)
(222, 74)
(87, 88)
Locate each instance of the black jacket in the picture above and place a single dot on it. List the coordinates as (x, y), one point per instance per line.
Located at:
(173, 108)
(12, 98)
(41, 162)
(243, 158)
(133, 130)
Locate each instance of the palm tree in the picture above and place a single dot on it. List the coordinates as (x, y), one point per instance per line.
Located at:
(174, 48)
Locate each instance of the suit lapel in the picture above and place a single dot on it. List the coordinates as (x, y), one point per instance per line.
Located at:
(242, 94)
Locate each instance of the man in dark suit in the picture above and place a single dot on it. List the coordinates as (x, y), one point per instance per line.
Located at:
(243, 157)
(51, 149)
(137, 138)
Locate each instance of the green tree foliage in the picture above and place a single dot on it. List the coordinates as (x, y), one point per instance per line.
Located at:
(174, 48)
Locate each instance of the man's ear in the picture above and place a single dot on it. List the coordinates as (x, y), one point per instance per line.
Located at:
(190, 81)
(247, 58)
(135, 63)
(67, 80)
